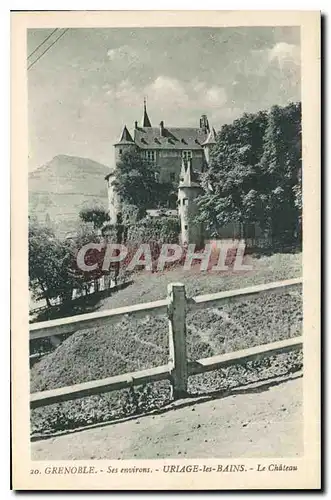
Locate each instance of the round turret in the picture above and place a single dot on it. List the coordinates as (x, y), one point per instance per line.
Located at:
(188, 190)
(114, 203)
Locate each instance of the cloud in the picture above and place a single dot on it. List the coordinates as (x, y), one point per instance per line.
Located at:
(167, 90)
(123, 53)
(285, 53)
(124, 90)
(208, 96)
(282, 55)
(169, 93)
(215, 95)
(198, 86)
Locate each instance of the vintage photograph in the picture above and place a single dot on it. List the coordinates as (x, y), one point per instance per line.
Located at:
(165, 238)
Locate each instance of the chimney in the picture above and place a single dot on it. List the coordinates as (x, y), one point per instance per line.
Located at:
(161, 128)
(136, 124)
(204, 125)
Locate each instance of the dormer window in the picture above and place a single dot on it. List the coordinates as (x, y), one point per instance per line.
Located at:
(186, 155)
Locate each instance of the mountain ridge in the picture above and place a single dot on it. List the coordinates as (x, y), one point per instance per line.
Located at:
(60, 188)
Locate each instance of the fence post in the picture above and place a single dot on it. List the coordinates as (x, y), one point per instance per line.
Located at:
(177, 339)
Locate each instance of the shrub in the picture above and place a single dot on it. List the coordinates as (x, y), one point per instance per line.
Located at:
(160, 230)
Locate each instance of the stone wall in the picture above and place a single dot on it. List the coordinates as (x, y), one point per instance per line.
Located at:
(168, 162)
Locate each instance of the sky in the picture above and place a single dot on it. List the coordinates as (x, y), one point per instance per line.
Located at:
(93, 81)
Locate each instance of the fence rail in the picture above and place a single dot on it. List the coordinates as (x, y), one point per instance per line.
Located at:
(179, 367)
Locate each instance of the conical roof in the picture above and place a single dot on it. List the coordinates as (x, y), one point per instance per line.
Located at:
(145, 121)
(211, 138)
(125, 137)
(188, 178)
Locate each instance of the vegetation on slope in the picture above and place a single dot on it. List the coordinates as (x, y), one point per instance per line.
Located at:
(134, 345)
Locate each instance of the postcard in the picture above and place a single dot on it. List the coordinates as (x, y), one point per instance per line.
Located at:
(165, 265)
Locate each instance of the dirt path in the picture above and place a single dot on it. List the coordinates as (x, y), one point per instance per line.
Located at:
(263, 420)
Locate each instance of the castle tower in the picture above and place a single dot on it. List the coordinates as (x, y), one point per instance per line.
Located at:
(114, 203)
(208, 145)
(188, 190)
(126, 142)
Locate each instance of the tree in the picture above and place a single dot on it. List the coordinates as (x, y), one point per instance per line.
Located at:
(82, 279)
(281, 166)
(135, 181)
(96, 215)
(232, 182)
(254, 175)
(48, 264)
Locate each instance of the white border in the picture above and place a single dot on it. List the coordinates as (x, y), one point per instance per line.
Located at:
(4, 198)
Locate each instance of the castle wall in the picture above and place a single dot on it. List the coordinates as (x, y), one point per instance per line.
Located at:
(168, 162)
(168, 165)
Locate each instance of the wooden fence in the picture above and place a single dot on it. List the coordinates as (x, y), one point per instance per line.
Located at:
(178, 368)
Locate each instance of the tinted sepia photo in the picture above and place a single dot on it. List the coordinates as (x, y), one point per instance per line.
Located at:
(164, 250)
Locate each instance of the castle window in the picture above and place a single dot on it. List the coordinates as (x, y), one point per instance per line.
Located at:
(120, 151)
(185, 227)
(185, 200)
(187, 155)
(172, 176)
(150, 155)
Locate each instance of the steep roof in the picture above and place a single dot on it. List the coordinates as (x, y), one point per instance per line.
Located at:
(125, 137)
(171, 138)
(145, 121)
(211, 139)
(188, 178)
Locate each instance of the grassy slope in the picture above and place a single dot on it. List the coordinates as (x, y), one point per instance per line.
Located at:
(133, 345)
(153, 286)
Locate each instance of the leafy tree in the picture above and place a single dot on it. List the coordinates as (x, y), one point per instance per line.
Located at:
(281, 166)
(232, 180)
(53, 270)
(82, 279)
(136, 182)
(48, 269)
(96, 215)
(254, 175)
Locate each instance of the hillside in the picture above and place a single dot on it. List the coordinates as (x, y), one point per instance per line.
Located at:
(60, 188)
(137, 344)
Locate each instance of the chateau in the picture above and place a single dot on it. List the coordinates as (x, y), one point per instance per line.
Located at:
(179, 155)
